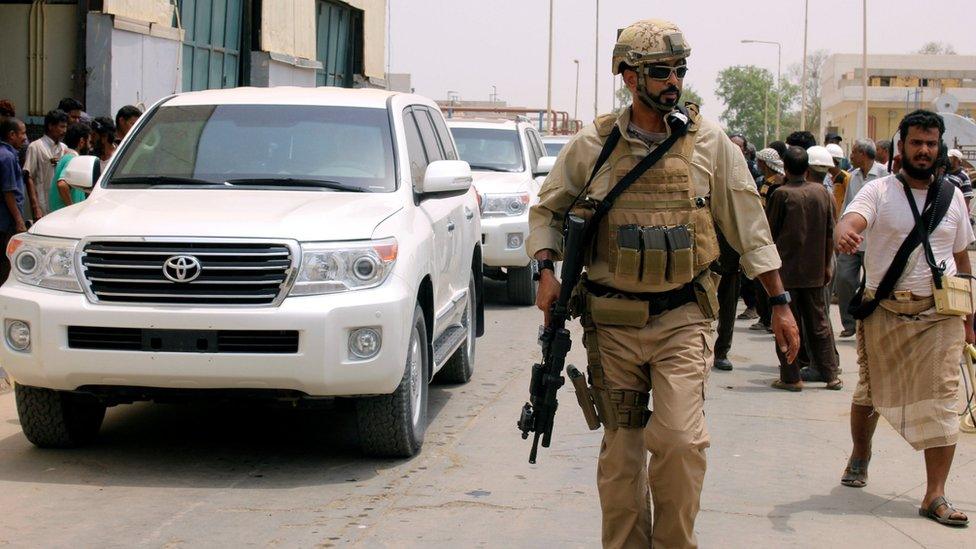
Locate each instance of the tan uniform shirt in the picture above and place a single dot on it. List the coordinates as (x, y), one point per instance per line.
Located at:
(718, 170)
(42, 156)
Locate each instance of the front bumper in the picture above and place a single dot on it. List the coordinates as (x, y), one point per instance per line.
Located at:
(494, 241)
(321, 367)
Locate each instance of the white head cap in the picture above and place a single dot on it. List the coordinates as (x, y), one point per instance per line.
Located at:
(835, 150)
(819, 156)
(955, 153)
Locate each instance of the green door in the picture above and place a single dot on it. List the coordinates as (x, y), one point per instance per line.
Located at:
(337, 43)
(211, 43)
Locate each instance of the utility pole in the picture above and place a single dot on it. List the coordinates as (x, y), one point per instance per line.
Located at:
(576, 103)
(779, 72)
(864, 71)
(549, 84)
(596, 66)
(803, 79)
(765, 118)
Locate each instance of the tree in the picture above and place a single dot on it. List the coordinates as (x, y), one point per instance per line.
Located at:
(688, 93)
(937, 48)
(794, 74)
(745, 89)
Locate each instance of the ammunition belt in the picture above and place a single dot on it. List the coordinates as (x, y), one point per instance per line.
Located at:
(657, 302)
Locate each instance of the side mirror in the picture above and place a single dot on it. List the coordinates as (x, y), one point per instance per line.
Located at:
(445, 176)
(544, 166)
(82, 172)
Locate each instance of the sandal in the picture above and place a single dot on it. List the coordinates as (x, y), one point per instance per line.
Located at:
(946, 517)
(856, 473)
(835, 385)
(792, 387)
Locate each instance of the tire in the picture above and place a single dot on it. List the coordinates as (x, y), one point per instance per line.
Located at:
(393, 425)
(58, 419)
(460, 366)
(520, 286)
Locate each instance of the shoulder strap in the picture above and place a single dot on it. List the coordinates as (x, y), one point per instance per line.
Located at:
(936, 206)
(942, 192)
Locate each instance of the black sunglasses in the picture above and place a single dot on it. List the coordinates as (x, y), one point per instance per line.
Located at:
(663, 72)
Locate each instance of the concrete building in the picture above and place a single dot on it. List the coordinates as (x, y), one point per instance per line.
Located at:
(110, 53)
(897, 85)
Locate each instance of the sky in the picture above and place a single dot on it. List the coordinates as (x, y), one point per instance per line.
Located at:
(468, 46)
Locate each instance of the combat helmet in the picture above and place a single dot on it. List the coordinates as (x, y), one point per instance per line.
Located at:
(647, 42)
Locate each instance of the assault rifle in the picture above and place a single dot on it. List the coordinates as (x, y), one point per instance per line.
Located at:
(538, 414)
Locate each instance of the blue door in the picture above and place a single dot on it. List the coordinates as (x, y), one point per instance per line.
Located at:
(338, 43)
(211, 43)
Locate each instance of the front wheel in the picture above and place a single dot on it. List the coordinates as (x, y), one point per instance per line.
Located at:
(521, 286)
(393, 425)
(58, 419)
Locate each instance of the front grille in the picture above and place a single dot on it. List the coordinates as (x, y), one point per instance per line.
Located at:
(185, 341)
(230, 273)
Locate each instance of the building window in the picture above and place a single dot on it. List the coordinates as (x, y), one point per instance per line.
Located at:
(338, 43)
(211, 43)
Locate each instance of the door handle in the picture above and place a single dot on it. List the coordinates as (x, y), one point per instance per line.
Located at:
(451, 226)
(468, 213)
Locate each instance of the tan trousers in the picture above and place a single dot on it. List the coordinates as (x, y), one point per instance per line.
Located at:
(673, 352)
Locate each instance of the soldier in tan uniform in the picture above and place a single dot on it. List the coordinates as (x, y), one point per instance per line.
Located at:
(647, 301)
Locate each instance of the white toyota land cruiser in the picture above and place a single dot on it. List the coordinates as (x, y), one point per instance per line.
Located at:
(288, 243)
(509, 163)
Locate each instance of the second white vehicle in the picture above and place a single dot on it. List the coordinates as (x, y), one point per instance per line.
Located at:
(509, 163)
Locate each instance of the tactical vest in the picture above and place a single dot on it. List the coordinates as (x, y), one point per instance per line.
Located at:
(658, 234)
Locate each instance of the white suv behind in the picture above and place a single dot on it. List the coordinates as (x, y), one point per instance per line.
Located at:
(509, 164)
(290, 244)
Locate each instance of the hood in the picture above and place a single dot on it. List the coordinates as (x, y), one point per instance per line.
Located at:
(299, 215)
(500, 182)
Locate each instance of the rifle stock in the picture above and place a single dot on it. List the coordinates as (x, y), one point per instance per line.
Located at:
(538, 414)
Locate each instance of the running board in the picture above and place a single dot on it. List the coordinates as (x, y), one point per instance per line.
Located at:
(447, 343)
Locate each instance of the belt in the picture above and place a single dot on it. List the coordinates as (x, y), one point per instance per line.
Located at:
(657, 302)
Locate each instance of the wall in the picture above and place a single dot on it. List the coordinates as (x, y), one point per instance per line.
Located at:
(59, 47)
(128, 67)
(288, 26)
(151, 11)
(374, 29)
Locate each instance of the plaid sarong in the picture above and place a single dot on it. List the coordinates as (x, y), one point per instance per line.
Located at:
(908, 357)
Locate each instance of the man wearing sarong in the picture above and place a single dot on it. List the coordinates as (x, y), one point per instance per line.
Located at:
(908, 355)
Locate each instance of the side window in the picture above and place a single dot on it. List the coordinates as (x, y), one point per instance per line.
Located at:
(429, 138)
(450, 153)
(539, 145)
(533, 152)
(415, 148)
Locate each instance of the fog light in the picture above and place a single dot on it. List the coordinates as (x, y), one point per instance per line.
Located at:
(364, 343)
(514, 240)
(18, 335)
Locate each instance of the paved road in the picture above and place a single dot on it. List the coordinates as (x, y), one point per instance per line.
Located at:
(207, 476)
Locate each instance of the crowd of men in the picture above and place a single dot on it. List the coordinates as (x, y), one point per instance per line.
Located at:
(32, 172)
(825, 181)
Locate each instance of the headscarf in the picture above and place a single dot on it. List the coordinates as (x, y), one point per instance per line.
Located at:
(772, 159)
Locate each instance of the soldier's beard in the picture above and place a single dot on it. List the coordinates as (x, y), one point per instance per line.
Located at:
(657, 102)
(917, 172)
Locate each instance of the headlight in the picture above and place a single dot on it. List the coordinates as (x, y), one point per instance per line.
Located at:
(44, 261)
(500, 205)
(343, 266)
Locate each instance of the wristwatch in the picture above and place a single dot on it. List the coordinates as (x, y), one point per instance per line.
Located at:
(541, 264)
(781, 299)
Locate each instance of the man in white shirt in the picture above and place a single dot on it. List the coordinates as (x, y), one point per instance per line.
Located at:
(908, 354)
(42, 157)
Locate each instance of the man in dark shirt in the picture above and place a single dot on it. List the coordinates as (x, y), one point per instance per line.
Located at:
(13, 133)
(801, 218)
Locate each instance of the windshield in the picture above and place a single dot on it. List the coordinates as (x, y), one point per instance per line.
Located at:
(489, 149)
(275, 145)
(553, 148)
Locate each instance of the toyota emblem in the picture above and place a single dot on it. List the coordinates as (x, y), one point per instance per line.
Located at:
(182, 268)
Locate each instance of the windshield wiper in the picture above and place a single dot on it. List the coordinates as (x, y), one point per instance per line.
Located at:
(151, 180)
(296, 182)
(490, 168)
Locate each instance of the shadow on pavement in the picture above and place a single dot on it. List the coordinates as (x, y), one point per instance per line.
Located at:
(841, 501)
(235, 445)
